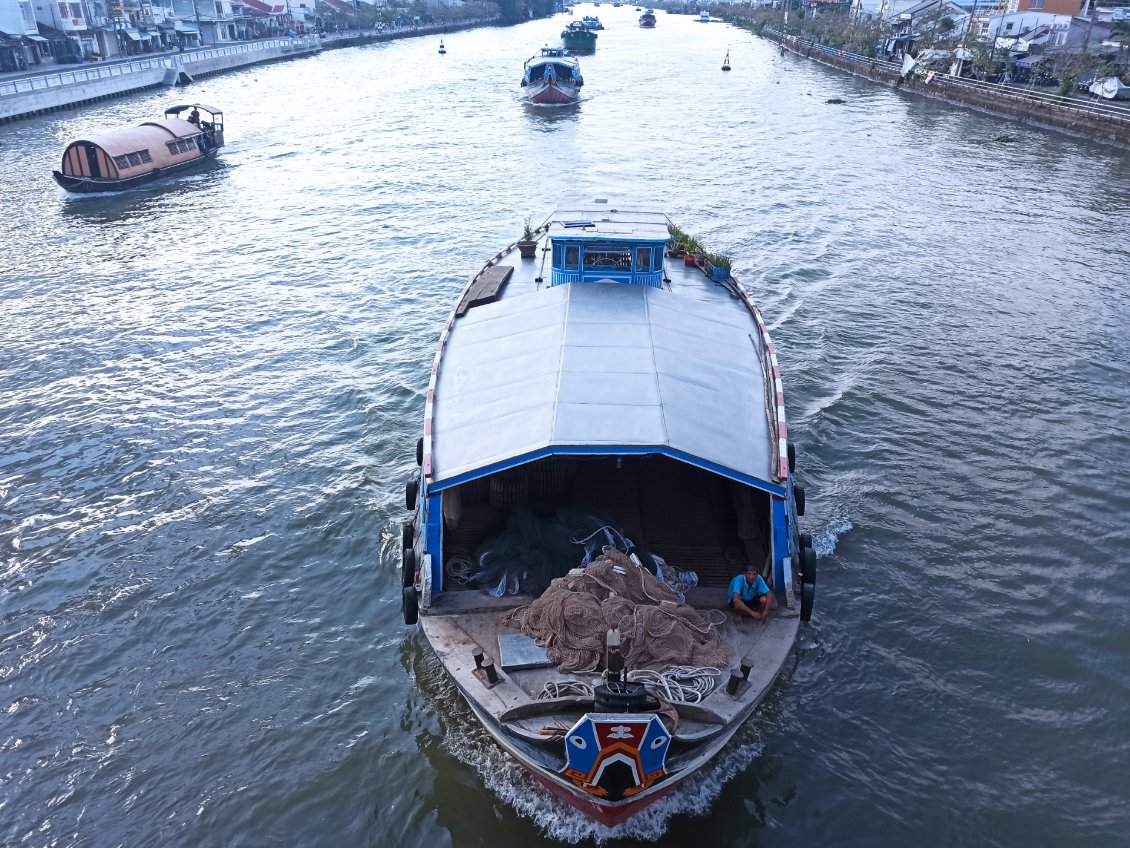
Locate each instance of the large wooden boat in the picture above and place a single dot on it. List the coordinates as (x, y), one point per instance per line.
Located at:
(125, 158)
(552, 76)
(603, 418)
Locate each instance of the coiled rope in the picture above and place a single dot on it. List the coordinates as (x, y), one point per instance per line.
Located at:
(458, 569)
(682, 684)
(564, 689)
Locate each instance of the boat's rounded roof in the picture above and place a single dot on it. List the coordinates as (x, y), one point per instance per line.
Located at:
(118, 142)
(542, 59)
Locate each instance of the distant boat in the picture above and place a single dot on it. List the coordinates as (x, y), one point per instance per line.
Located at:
(704, 17)
(578, 36)
(552, 77)
(592, 22)
(124, 158)
(726, 62)
(442, 49)
(647, 19)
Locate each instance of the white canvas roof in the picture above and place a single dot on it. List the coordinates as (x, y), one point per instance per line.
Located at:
(604, 365)
(610, 221)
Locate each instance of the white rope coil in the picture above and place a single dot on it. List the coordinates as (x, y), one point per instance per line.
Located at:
(681, 684)
(565, 689)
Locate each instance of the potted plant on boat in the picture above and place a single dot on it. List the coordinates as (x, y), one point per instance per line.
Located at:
(693, 249)
(675, 246)
(528, 244)
(718, 267)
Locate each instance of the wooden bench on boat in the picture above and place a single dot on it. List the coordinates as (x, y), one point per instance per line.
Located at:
(485, 287)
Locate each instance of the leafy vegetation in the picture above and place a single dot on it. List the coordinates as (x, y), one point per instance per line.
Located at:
(938, 30)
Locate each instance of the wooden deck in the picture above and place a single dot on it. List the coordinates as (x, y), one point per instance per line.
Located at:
(454, 636)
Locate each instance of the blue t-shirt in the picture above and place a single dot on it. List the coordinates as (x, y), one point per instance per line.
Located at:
(738, 586)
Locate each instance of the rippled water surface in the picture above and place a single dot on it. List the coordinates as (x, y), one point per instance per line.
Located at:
(210, 393)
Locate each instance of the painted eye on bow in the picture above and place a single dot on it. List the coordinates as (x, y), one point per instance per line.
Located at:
(659, 740)
(579, 742)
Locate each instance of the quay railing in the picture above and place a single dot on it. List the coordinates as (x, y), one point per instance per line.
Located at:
(41, 82)
(1004, 91)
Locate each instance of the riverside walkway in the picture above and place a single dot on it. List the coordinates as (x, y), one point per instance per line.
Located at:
(32, 92)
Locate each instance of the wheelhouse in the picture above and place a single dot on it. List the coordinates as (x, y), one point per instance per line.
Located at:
(553, 64)
(590, 251)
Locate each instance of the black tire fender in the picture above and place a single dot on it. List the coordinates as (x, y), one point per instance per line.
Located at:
(792, 457)
(407, 567)
(411, 492)
(410, 605)
(420, 451)
(808, 566)
(798, 499)
(407, 534)
(807, 596)
(804, 540)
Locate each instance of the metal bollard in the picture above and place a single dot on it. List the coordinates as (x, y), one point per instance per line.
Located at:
(614, 661)
(477, 653)
(488, 667)
(735, 679)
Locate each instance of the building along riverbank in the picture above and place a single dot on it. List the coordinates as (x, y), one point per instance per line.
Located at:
(25, 94)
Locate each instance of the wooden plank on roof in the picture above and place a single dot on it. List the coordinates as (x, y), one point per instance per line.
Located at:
(485, 287)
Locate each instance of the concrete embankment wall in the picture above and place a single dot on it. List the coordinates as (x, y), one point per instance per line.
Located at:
(48, 92)
(1096, 120)
(362, 37)
(33, 94)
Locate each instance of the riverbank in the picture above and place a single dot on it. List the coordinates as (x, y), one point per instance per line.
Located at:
(24, 94)
(1097, 120)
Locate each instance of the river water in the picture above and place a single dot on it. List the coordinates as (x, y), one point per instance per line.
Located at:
(210, 393)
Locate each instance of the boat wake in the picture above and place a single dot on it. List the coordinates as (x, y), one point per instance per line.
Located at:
(510, 782)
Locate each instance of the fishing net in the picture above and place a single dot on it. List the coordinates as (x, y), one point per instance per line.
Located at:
(540, 544)
(657, 631)
(537, 547)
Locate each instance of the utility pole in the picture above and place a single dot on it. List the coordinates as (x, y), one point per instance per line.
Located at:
(1090, 6)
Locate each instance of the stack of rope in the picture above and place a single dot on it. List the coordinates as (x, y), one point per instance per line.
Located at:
(657, 631)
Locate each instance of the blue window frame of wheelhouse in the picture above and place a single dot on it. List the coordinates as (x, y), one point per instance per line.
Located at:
(591, 260)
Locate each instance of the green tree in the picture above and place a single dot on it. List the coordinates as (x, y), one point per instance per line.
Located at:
(511, 11)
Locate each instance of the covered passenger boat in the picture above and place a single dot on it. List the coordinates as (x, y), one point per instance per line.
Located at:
(121, 159)
(552, 77)
(647, 19)
(604, 449)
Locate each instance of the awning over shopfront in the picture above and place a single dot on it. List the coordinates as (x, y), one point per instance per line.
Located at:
(132, 34)
(181, 26)
(258, 7)
(36, 38)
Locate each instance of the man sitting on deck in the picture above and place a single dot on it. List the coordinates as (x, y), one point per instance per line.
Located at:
(749, 595)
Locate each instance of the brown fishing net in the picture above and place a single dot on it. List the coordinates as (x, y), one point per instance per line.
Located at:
(657, 631)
